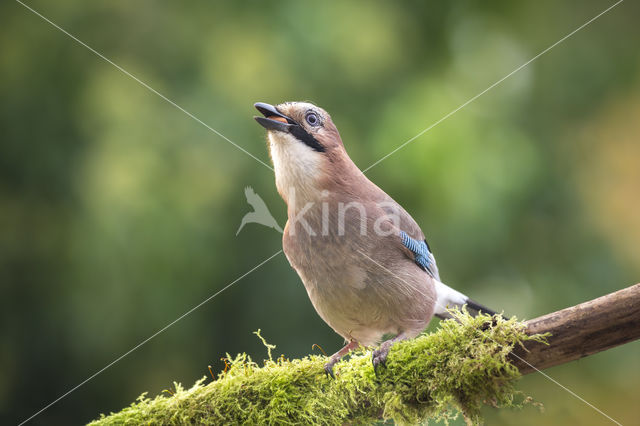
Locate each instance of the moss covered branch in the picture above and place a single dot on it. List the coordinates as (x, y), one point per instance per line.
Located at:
(453, 371)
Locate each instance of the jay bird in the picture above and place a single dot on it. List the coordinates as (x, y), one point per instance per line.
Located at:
(364, 261)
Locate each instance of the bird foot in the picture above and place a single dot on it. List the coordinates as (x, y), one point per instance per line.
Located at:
(328, 368)
(379, 357)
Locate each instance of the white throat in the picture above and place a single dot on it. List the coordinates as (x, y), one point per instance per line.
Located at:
(297, 166)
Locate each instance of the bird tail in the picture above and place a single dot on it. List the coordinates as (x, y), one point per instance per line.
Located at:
(448, 298)
(477, 308)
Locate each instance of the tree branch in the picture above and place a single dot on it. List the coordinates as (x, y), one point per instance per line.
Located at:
(582, 330)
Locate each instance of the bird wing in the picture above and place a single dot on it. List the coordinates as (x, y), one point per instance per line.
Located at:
(421, 254)
(432, 262)
(410, 229)
(414, 240)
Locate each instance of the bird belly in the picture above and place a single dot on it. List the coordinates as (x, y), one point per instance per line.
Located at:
(358, 300)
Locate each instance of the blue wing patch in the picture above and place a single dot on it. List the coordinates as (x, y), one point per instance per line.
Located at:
(422, 254)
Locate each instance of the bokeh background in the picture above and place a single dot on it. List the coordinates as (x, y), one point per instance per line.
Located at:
(118, 212)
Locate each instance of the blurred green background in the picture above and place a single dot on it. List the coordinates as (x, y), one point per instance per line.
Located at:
(118, 212)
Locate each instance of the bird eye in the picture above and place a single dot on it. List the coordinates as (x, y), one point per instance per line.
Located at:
(312, 118)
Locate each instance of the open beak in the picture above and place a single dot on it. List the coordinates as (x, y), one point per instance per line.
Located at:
(273, 119)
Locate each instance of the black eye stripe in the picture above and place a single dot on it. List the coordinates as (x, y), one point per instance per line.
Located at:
(306, 138)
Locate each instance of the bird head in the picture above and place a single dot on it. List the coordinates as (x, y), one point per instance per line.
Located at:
(305, 147)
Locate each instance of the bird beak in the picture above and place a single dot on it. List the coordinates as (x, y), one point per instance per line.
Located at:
(273, 119)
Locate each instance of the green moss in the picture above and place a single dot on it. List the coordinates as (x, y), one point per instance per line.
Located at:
(455, 370)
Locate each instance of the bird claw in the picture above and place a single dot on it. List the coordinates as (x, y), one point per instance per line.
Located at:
(379, 358)
(328, 369)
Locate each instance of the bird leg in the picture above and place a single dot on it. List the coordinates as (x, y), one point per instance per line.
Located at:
(328, 367)
(379, 356)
